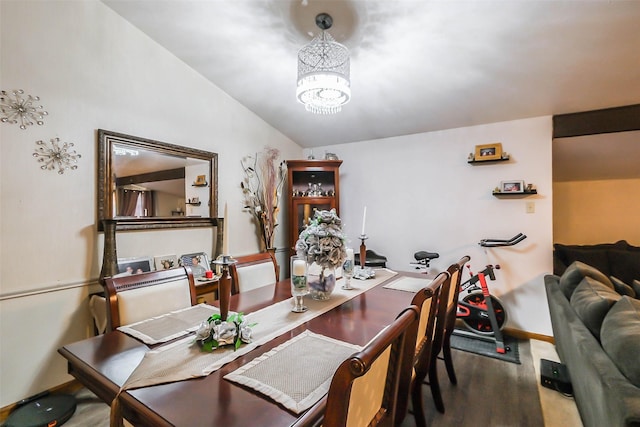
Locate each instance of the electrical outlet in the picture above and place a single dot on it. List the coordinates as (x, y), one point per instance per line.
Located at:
(531, 207)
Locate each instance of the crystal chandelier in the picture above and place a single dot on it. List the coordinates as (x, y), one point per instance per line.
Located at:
(323, 72)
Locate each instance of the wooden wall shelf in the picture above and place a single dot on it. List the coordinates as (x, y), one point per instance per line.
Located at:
(484, 162)
(514, 194)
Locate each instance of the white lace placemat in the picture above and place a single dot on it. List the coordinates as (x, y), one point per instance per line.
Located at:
(169, 326)
(409, 284)
(296, 373)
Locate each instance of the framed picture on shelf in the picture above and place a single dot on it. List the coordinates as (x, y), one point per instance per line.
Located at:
(512, 186)
(165, 262)
(133, 265)
(488, 152)
(198, 261)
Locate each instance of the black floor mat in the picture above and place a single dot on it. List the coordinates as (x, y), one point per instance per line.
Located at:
(485, 345)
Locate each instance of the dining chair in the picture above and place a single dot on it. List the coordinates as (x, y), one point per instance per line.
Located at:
(253, 271)
(366, 387)
(432, 301)
(445, 321)
(455, 270)
(136, 297)
(438, 339)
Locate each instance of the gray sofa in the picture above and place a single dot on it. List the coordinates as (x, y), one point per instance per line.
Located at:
(597, 336)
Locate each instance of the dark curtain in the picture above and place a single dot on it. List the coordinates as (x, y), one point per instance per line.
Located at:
(127, 202)
(148, 203)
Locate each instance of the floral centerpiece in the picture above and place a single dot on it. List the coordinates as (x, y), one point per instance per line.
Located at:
(214, 332)
(262, 185)
(322, 244)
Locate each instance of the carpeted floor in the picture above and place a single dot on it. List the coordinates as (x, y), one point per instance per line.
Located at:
(557, 409)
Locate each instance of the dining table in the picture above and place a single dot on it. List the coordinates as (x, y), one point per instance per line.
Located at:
(104, 363)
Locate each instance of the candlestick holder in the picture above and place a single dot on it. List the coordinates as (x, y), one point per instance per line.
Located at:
(224, 287)
(363, 272)
(363, 250)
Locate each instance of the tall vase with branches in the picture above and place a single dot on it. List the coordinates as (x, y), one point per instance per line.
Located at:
(264, 176)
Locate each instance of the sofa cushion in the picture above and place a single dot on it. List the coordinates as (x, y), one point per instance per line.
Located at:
(596, 258)
(625, 265)
(594, 255)
(574, 274)
(621, 337)
(636, 287)
(591, 301)
(622, 288)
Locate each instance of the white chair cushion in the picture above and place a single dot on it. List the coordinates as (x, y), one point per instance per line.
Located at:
(144, 303)
(255, 276)
(98, 309)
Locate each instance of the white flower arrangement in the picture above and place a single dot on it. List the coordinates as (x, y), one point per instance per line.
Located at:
(323, 241)
(215, 332)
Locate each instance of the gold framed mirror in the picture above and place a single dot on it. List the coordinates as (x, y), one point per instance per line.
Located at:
(148, 184)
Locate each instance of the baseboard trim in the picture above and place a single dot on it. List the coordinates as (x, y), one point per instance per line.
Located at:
(517, 333)
(66, 388)
(524, 335)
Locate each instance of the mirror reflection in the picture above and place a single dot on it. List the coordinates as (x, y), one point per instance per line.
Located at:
(165, 184)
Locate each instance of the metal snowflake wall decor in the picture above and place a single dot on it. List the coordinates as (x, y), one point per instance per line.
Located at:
(15, 107)
(56, 156)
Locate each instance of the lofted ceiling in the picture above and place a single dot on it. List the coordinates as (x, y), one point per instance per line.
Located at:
(416, 65)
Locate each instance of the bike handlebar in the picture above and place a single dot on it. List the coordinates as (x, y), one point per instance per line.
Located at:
(492, 243)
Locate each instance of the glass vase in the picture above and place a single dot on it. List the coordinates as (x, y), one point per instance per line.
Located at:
(321, 281)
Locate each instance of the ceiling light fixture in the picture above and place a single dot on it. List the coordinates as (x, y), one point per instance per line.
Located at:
(323, 72)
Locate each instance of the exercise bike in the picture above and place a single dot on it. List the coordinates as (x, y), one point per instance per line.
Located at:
(482, 314)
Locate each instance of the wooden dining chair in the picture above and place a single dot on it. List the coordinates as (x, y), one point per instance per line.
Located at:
(438, 340)
(431, 299)
(366, 388)
(455, 270)
(253, 271)
(136, 297)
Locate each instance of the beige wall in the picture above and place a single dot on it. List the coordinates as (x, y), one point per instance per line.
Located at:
(590, 212)
(93, 70)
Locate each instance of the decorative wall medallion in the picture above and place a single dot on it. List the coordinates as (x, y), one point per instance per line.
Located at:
(15, 106)
(56, 156)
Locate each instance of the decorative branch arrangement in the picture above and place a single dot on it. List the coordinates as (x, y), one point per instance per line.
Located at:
(262, 188)
(15, 107)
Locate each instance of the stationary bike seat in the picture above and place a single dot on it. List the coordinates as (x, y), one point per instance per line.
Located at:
(423, 255)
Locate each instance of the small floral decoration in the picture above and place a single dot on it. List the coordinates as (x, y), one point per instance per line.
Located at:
(59, 156)
(262, 188)
(322, 241)
(214, 332)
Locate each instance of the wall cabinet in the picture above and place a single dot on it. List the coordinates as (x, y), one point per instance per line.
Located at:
(311, 185)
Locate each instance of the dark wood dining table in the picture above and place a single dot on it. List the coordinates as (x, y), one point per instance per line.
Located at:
(103, 363)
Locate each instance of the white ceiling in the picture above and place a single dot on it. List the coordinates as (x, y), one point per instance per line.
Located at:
(416, 65)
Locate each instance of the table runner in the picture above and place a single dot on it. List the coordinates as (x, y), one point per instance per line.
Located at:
(284, 373)
(168, 326)
(183, 359)
(409, 284)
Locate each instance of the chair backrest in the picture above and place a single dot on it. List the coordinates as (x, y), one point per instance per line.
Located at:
(253, 271)
(432, 321)
(141, 296)
(455, 270)
(366, 387)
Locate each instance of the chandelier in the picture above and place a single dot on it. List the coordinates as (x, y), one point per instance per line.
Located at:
(323, 72)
